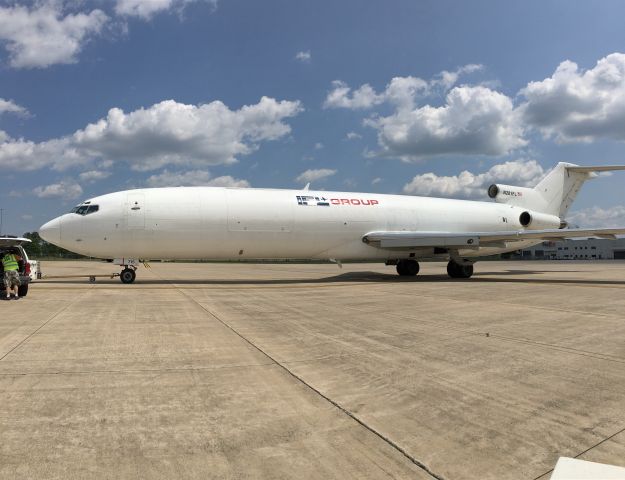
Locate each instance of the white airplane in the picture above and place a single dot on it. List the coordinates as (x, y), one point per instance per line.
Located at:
(185, 223)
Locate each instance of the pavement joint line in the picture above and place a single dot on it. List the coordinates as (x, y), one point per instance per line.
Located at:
(535, 307)
(618, 284)
(601, 356)
(585, 451)
(575, 351)
(28, 337)
(137, 370)
(562, 348)
(362, 423)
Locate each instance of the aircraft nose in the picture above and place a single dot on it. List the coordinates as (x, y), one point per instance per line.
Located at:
(51, 231)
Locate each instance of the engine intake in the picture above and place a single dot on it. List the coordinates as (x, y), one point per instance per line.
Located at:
(493, 190)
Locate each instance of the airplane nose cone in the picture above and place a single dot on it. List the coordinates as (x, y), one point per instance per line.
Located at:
(51, 231)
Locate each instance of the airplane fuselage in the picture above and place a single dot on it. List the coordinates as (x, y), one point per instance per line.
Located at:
(237, 223)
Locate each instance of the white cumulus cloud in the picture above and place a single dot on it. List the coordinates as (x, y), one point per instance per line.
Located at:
(448, 79)
(353, 136)
(167, 133)
(597, 217)
(193, 178)
(228, 181)
(578, 105)
(146, 9)
(94, 175)
(473, 120)
(401, 91)
(303, 56)
(9, 106)
(313, 175)
(342, 96)
(523, 173)
(67, 189)
(42, 35)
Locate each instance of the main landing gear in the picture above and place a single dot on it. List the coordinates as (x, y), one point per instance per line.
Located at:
(407, 268)
(459, 270)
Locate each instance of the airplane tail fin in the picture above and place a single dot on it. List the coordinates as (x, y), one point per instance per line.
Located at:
(555, 193)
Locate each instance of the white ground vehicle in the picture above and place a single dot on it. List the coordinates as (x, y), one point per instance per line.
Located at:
(13, 245)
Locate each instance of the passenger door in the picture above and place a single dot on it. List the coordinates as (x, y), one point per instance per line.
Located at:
(135, 210)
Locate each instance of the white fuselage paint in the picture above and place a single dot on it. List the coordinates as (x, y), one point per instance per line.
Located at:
(232, 223)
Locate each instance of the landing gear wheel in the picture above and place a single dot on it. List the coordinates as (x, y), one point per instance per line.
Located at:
(407, 268)
(456, 270)
(22, 290)
(128, 275)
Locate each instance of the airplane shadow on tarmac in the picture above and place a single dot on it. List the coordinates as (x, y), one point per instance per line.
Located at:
(506, 276)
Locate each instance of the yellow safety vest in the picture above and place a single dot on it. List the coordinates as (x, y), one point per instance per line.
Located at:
(9, 262)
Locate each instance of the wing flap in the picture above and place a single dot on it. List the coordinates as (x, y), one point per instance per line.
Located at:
(476, 239)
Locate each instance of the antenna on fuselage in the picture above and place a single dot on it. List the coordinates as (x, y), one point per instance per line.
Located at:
(307, 187)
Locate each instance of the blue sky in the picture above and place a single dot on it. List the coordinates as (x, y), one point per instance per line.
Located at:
(437, 98)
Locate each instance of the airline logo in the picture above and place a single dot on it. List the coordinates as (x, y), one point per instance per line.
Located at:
(312, 201)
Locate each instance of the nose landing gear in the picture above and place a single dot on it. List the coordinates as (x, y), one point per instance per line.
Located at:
(128, 275)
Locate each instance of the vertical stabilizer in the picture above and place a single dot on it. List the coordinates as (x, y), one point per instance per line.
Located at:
(560, 187)
(555, 193)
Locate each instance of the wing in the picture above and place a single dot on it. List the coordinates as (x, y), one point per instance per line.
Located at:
(477, 239)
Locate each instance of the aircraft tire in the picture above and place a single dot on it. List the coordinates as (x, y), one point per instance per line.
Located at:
(455, 270)
(407, 268)
(466, 271)
(127, 275)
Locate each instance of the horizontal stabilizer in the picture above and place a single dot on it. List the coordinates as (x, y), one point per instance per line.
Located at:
(411, 240)
(599, 168)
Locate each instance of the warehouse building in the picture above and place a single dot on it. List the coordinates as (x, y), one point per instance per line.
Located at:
(589, 249)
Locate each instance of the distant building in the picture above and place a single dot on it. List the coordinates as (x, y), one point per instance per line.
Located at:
(589, 249)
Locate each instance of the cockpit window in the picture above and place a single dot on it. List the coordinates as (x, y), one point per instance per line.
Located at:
(85, 209)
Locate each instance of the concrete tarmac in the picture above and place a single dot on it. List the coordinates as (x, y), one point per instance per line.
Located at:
(241, 371)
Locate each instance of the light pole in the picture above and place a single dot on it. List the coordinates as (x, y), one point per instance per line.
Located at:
(1, 219)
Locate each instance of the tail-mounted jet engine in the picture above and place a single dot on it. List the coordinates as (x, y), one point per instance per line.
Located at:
(540, 221)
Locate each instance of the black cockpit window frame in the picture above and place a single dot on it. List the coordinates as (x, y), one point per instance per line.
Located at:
(85, 209)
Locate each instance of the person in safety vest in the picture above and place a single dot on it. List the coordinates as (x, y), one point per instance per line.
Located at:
(11, 274)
